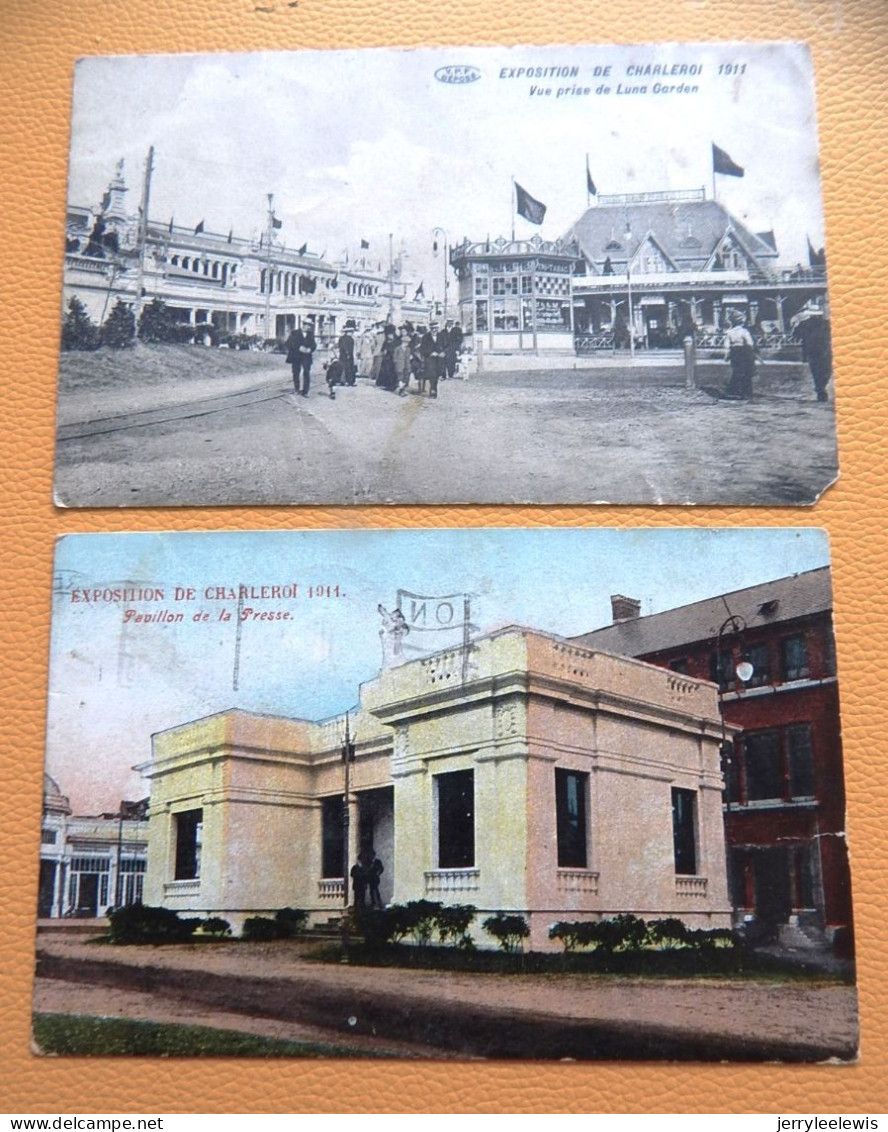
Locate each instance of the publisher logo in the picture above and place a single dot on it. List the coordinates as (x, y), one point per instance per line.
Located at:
(455, 73)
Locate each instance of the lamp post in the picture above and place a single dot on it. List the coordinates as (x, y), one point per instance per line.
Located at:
(627, 236)
(732, 626)
(436, 232)
(347, 754)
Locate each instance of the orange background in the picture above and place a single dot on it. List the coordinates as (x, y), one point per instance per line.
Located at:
(40, 41)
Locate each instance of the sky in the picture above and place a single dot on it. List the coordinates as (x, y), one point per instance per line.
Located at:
(357, 145)
(115, 682)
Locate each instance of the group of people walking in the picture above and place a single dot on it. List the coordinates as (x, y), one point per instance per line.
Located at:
(390, 356)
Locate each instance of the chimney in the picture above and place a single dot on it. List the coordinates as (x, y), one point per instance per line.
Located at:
(624, 608)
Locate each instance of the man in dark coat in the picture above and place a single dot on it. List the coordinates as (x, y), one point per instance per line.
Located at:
(431, 350)
(346, 346)
(301, 345)
(453, 337)
(813, 328)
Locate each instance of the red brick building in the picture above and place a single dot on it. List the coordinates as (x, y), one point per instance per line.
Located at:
(785, 799)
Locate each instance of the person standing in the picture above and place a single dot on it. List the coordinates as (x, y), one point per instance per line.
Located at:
(431, 349)
(740, 352)
(374, 871)
(346, 346)
(301, 346)
(453, 340)
(388, 378)
(812, 326)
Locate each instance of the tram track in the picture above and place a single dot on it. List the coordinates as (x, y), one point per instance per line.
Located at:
(168, 414)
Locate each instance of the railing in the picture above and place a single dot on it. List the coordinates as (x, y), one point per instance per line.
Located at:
(690, 886)
(577, 880)
(182, 888)
(589, 343)
(331, 889)
(452, 880)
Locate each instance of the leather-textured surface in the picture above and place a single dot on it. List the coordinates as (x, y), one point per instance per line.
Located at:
(41, 39)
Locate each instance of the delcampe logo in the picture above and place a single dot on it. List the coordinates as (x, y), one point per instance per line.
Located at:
(455, 73)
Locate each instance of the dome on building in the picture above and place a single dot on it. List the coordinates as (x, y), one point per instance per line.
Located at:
(54, 801)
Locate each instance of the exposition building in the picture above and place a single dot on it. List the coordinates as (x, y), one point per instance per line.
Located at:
(223, 284)
(634, 271)
(525, 773)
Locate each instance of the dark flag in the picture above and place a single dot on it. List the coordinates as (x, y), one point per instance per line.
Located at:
(590, 184)
(815, 258)
(171, 225)
(276, 224)
(303, 249)
(199, 228)
(420, 292)
(526, 206)
(722, 163)
(230, 234)
(365, 243)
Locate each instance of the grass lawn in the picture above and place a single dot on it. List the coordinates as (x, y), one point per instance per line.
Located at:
(84, 1036)
(153, 364)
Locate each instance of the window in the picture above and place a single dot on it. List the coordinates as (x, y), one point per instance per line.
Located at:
(481, 285)
(189, 828)
(456, 819)
(764, 765)
(47, 837)
(721, 669)
(684, 831)
(679, 665)
(331, 837)
(801, 761)
(505, 285)
(778, 765)
(760, 659)
(794, 651)
(571, 789)
(481, 315)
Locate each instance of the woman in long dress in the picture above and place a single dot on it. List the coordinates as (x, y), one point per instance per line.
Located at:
(740, 352)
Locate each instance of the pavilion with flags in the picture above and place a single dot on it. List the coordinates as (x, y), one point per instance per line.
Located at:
(233, 289)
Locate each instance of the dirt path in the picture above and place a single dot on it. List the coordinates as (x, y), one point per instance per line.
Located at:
(571, 437)
(698, 1012)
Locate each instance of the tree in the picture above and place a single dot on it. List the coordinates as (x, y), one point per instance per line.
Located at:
(79, 332)
(157, 323)
(119, 330)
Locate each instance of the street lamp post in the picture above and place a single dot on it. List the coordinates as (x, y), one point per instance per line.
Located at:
(732, 626)
(347, 754)
(627, 235)
(436, 232)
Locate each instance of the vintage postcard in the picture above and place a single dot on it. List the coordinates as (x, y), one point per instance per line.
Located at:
(445, 793)
(456, 275)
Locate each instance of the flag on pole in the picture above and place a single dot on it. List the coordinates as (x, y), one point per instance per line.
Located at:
(420, 292)
(365, 243)
(722, 163)
(199, 228)
(303, 249)
(171, 225)
(815, 258)
(590, 184)
(230, 234)
(276, 224)
(526, 206)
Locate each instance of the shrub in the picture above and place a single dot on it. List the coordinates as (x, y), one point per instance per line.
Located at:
(215, 926)
(140, 923)
(259, 929)
(670, 932)
(119, 329)
(158, 323)
(290, 922)
(79, 332)
(453, 923)
(508, 930)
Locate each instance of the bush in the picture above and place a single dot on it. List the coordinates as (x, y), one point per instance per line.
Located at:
(140, 923)
(79, 332)
(290, 922)
(259, 929)
(453, 923)
(627, 933)
(119, 329)
(509, 930)
(215, 926)
(158, 323)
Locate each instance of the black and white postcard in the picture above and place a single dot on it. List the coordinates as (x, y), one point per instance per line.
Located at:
(454, 275)
(445, 793)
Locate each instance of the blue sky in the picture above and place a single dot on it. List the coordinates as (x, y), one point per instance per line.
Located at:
(357, 145)
(113, 683)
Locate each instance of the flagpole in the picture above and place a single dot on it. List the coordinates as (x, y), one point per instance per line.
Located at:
(588, 195)
(143, 234)
(512, 206)
(268, 267)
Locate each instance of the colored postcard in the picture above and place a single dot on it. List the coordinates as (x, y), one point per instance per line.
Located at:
(445, 793)
(550, 275)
